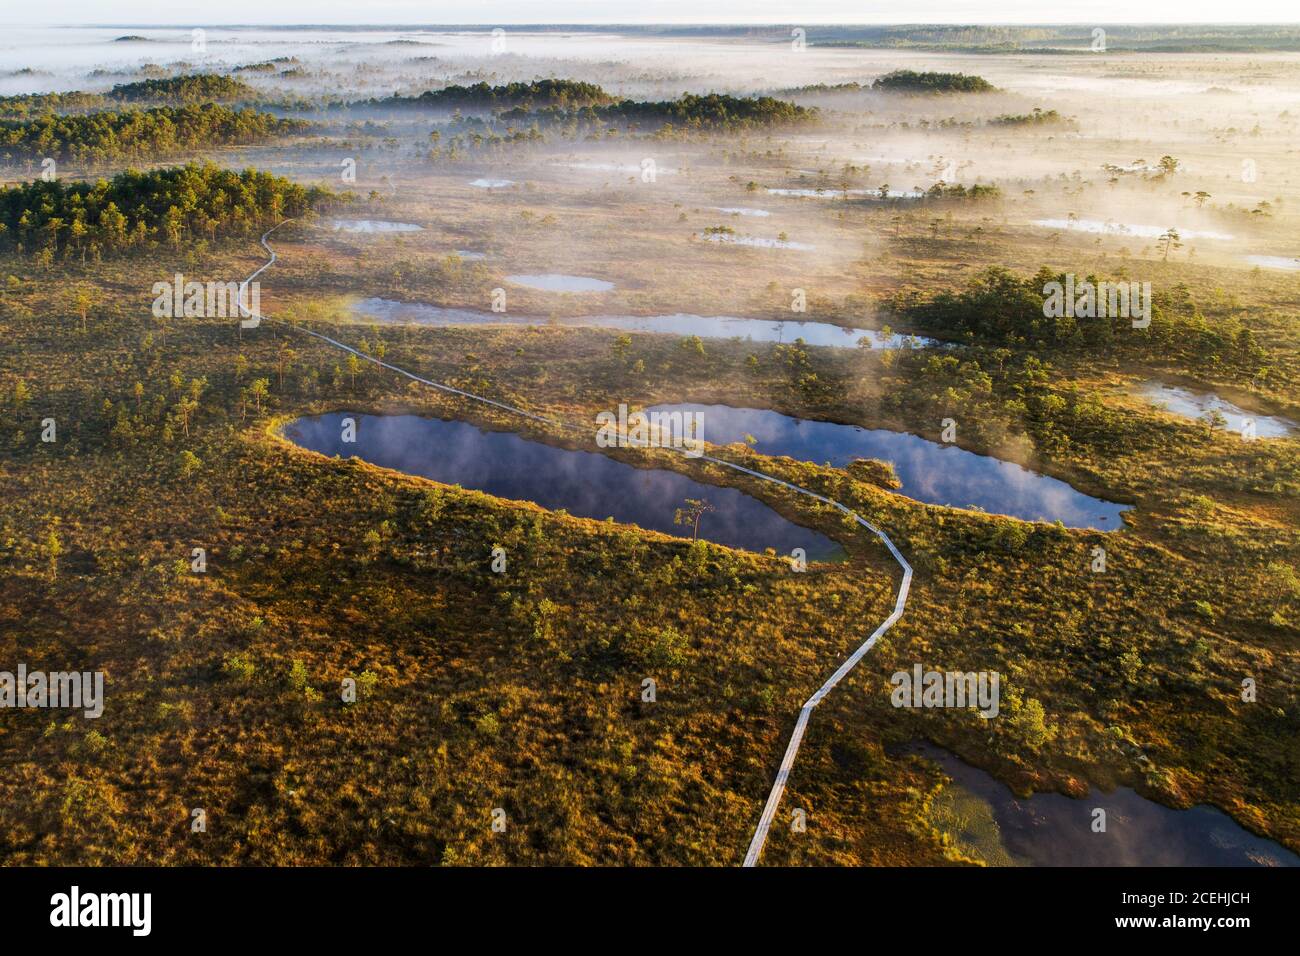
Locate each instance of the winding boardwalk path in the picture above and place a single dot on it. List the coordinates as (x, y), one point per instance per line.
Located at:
(801, 724)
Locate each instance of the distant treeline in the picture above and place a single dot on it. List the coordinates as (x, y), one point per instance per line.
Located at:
(138, 134)
(911, 81)
(175, 91)
(1049, 39)
(136, 210)
(38, 104)
(1056, 39)
(526, 96)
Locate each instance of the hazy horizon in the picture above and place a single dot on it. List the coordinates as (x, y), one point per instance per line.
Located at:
(672, 12)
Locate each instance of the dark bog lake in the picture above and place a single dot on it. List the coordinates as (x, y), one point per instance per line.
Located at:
(1049, 829)
(930, 471)
(586, 484)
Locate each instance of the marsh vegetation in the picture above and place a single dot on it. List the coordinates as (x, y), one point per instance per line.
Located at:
(918, 168)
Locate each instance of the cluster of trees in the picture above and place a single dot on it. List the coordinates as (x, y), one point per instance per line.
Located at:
(715, 111)
(1167, 166)
(812, 88)
(801, 376)
(135, 209)
(912, 81)
(476, 136)
(526, 96)
(942, 190)
(582, 106)
(138, 134)
(177, 90)
(1039, 117)
(999, 307)
(38, 104)
(1006, 397)
(522, 126)
(269, 66)
(192, 88)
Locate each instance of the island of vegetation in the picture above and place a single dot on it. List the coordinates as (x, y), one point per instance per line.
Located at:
(1039, 117)
(912, 81)
(268, 66)
(191, 88)
(138, 210)
(978, 191)
(714, 111)
(682, 117)
(998, 307)
(27, 105)
(584, 106)
(525, 96)
(129, 135)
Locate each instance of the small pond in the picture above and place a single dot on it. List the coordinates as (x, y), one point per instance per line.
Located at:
(583, 483)
(1189, 404)
(373, 225)
(1127, 229)
(830, 192)
(759, 242)
(1285, 263)
(930, 471)
(1050, 829)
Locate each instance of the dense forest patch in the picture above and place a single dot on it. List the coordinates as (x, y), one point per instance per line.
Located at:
(139, 134)
(27, 105)
(912, 81)
(527, 96)
(1000, 308)
(191, 88)
(134, 209)
(1039, 117)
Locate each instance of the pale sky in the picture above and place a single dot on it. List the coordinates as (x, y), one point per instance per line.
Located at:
(227, 12)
